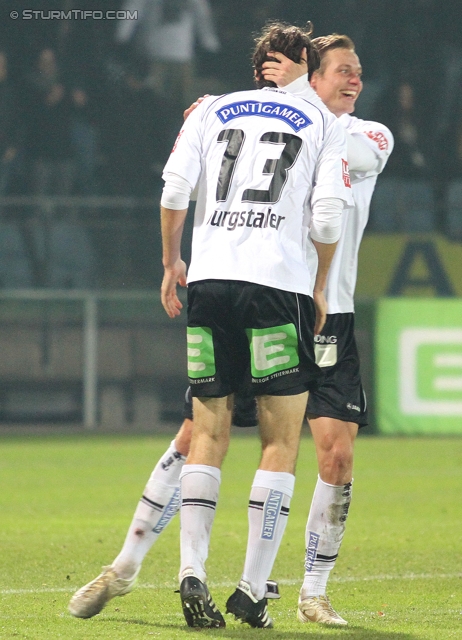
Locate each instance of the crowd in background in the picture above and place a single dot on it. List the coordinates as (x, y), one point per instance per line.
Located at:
(92, 107)
(103, 99)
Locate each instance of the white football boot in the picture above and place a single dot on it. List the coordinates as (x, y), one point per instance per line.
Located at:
(93, 597)
(318, 609)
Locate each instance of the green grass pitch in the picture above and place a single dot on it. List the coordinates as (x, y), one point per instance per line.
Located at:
(66, 503)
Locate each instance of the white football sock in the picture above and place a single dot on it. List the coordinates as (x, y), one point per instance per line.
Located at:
(324, 534)
(268, 510)
(200, 485)
(159, 503)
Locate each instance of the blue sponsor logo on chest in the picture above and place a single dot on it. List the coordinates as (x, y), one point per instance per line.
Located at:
(293, 117)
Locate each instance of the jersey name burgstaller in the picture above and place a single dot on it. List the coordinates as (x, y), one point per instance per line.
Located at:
(293, 117)
(232, 219)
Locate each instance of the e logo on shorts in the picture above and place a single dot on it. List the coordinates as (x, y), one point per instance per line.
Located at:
(265, 343)
(201, 354)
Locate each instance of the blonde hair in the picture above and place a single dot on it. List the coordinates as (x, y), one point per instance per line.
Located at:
(324, 44)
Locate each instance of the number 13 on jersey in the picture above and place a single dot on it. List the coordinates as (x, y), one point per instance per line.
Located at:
(234, 139)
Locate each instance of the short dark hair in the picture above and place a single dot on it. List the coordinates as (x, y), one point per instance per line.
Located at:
(287, 39)
(324, 44)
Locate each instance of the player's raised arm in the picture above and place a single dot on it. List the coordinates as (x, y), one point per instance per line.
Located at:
(369, 146)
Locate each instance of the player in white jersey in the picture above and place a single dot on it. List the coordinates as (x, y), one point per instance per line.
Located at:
(271, 169)
(338, 407)
(248, 138)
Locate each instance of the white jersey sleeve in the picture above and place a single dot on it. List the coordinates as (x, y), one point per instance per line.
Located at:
(377, 137)
(329, 168)
(187, 153)
(176, 192)
(360, 156)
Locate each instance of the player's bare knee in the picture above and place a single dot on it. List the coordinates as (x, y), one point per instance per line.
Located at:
(335, 466)
(277, 457)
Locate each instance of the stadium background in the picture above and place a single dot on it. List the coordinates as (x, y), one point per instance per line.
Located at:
(83, 338)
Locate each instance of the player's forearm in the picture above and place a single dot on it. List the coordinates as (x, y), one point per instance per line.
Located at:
(172, 224)
(325, 255)
(326, 227)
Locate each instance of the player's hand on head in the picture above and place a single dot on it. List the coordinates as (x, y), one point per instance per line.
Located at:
(282, 71)
(173, 275)
(320, 304)
(187, 112)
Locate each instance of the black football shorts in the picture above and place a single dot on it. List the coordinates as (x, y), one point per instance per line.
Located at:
(341, 394)
(244, 410)
(240, 331)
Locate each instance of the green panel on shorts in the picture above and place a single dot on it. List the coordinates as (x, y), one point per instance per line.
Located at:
(201, 355)
(273, 349)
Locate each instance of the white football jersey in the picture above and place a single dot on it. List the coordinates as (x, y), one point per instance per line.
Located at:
(341, 281)
(262, 159)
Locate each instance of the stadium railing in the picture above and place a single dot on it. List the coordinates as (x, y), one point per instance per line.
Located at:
(79, 242)
(66, 341)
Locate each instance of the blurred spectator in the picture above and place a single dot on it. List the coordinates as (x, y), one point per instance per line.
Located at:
(10, 127)
(48, 142)
(407, 122)
(84, 138)
(135, 135)
(59, 247)
(165, 36)
(404, 199)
